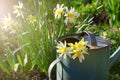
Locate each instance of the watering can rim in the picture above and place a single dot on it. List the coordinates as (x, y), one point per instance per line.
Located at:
(112, 57)
(83, 34)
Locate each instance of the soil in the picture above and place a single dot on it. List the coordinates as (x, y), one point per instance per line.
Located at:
(35, 75)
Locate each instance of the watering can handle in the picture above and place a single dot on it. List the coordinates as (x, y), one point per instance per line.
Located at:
(115, 56)
(91, 35)
(51, 67)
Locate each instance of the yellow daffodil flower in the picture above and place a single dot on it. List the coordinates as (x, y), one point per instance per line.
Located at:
(62, 50)
(32, 19)
(81, 44)
(72, 47)
(78, 49)
(79, 54)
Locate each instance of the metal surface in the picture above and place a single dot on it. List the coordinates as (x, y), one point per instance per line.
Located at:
(94, 67)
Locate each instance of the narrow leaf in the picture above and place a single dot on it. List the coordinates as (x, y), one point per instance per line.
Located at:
(19, 48)
(3, 66)
(19, 60)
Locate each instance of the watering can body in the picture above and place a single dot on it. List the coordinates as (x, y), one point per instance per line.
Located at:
(95, 66)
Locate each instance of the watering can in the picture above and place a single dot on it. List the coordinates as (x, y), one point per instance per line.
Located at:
(95, 66)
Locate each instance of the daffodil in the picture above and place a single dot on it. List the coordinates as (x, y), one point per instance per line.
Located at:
(72, 47)
(32, 19)
(62, 49)
(59, 11)
(78, 49)
(81, 49)
(81, 44)
(70, 15)
(79, 54)
(18, 9)
(6, 21)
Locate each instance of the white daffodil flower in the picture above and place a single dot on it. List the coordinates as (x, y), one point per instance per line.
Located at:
(6, 21)
(18, 9)
(62, 49)
(70, 15)
(58, 11)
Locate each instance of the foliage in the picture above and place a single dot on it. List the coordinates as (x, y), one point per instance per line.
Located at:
(35, 34)
(114, 77)
(112, 7)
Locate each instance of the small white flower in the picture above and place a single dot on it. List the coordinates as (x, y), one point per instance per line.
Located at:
(6, 21)
(18, 9)
(59, 11)
(70, 15)
(62, 49)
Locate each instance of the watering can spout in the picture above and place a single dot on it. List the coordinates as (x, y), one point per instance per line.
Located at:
(115, 56)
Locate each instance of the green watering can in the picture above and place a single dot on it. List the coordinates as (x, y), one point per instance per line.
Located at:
(95, 66)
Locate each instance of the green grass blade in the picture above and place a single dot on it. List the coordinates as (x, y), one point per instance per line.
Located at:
(20, 60)
(3, 66)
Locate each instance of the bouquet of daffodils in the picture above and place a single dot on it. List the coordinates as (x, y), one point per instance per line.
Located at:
(76, 50)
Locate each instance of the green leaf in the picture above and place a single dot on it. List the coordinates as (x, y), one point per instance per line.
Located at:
(19, 48)
(19, 60)
(3, 66)
(10, 59)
